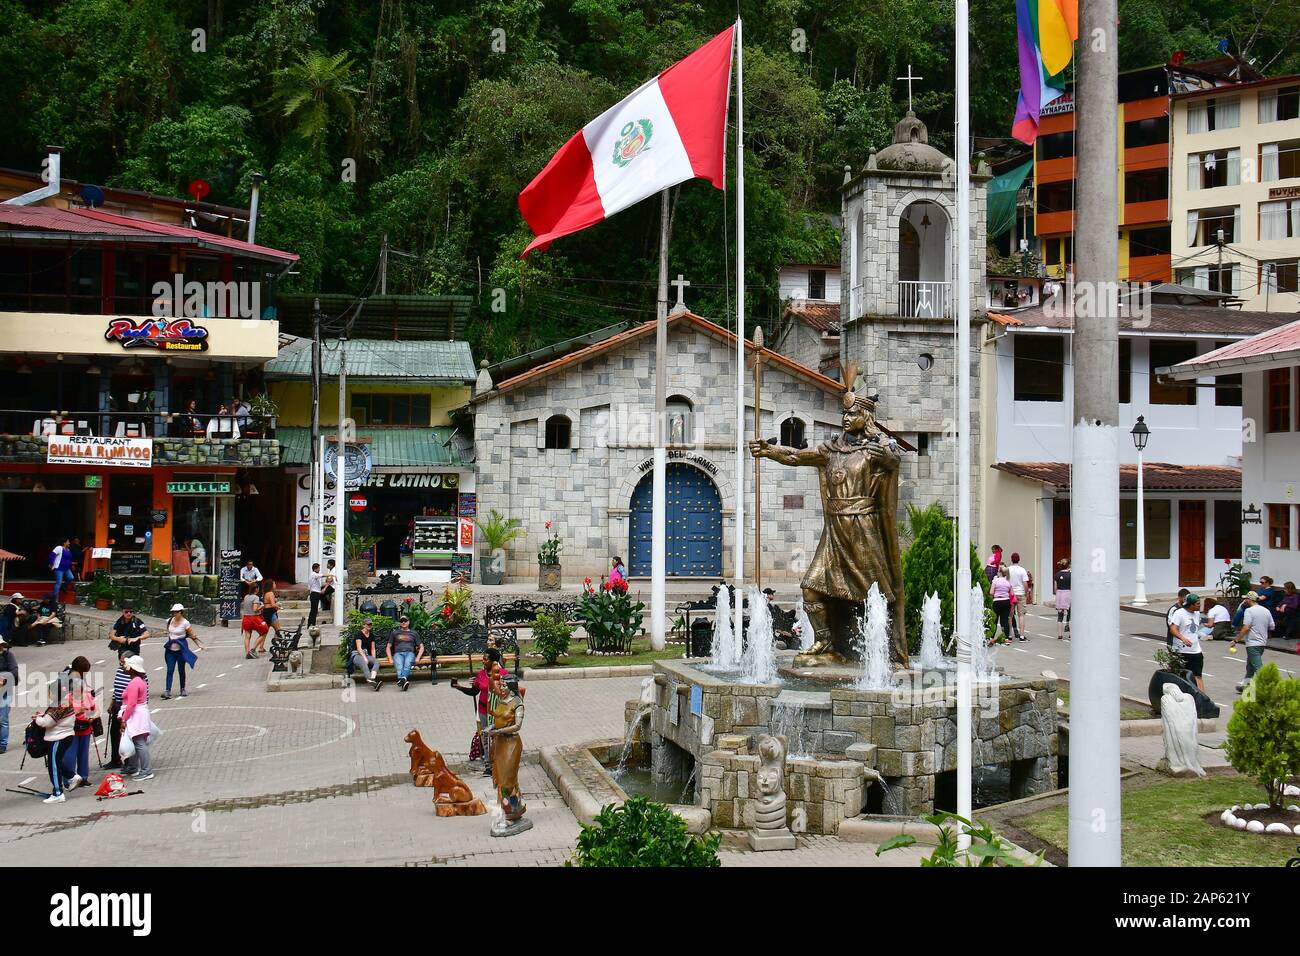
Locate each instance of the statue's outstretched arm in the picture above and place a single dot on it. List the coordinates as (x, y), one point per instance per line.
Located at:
(784, 455)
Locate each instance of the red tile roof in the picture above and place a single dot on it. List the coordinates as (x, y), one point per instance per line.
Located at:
(821, 316)
(1271, 347)
(1165, 317)
(1156, 476)
(93, 222)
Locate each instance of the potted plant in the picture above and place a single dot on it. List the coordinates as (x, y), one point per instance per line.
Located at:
(103, 592)
(264, 413)
(548, 562)
(497, 531)
(357, 547)
(1234, 584)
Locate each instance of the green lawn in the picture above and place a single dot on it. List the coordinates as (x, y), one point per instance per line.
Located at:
(1163, 825)
(577, 657)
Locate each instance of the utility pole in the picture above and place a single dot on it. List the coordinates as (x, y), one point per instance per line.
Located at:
(317, 474)
(1094, 808)
(383, 267)
(340, 484)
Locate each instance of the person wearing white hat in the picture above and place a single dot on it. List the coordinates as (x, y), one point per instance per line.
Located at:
(177, 651)
(135, 718)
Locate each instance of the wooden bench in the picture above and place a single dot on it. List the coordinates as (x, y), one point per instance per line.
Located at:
(444, 649)
(282, 646)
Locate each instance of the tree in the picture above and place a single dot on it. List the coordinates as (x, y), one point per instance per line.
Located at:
(928, 566)
(313, 91)
(1264, 732)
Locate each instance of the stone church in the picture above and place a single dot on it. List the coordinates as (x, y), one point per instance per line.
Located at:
(571, 442)
(897, 303)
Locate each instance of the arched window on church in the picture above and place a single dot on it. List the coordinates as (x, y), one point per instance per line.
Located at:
(679, 414)
(792, 433)
(558, 431)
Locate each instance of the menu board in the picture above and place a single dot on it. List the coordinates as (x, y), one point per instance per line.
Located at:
(462, 564)
(129, 562)
(228, 584)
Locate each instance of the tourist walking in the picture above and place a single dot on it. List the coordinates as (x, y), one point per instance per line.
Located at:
(61, 566)
(402, 654)
(250, 576)
(8, 689)
(315, 585)
(251, 621)
(75, 692)
(1169, 616)
(121, 678)
(77, 557)
(177, 651)
(481, 688)
(363, 654)
(993, 563)
(1186, 631)
(1001, 589)
(271, 615)
(1020, 583)
(136, 721)
(128, 634)
(1062, 581)
(57, 721)
(1256, 623)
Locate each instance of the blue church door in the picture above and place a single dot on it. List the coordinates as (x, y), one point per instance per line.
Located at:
(694, 524)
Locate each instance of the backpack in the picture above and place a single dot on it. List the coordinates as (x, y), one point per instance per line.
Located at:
(34, 740)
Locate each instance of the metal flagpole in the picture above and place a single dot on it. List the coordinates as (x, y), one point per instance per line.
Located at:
(659, 487)
(961, 157)
(739, 542)
(1094, 814)
(340, 486)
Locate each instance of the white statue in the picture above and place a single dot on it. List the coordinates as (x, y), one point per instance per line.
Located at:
(770, 829)
(1178, 724)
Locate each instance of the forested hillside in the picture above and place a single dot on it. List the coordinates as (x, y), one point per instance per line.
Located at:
(447, 109)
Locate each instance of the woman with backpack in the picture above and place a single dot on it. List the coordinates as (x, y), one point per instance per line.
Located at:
(57, 722)
(136, 720)
(75, 692)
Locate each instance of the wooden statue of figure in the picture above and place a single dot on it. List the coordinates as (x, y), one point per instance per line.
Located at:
(859, 544)
(451, 796)
(506, 709)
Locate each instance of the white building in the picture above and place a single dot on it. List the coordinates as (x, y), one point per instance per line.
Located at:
(1192, 470)
(1268, 366)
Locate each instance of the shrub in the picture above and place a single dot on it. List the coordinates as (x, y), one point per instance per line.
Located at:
(1264, 732)
(986, 847)
(454, 612)
(380, 626)
(609, 615)
(551, 633)
(643, 833)
(929, 564)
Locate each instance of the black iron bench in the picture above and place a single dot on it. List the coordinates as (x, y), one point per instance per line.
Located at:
(445, 648)
(28, 633)
(505, 621)
(282, 646)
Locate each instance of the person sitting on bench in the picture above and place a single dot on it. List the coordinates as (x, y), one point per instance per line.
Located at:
(363, 654)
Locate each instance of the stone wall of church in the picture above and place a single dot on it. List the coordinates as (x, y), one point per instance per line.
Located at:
(586, 489)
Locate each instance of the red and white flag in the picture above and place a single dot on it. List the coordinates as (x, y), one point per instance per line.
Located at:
(667, 131)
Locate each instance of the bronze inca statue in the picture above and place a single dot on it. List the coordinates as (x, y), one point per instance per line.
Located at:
(859, 545)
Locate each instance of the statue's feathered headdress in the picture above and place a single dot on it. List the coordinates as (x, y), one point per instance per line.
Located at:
(851, 399)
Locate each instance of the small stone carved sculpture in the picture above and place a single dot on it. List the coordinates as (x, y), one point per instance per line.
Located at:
(1178, 724)
(451, 796)
(770, 830)
(295, 664)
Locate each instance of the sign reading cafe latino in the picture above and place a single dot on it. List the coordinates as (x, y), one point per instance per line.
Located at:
(91, 450)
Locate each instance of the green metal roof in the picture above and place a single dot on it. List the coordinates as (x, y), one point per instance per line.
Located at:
(389, 447)
(447, 363)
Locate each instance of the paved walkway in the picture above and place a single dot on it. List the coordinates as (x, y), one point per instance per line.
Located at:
(315, 777)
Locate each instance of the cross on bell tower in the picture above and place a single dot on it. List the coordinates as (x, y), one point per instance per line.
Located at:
(909, 78)
(680, 283)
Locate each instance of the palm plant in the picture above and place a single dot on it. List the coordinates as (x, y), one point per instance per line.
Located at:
(498, 530)
(310, 91)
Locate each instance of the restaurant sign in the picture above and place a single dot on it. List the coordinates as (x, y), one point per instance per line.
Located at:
(104, 451)
(198, 487)
(166, 335)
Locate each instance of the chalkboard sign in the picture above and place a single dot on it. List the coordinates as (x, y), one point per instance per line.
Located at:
(228, 584)
(129, 562)
(462, 564)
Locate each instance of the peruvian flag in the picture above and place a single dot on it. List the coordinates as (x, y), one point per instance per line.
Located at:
(667, 131)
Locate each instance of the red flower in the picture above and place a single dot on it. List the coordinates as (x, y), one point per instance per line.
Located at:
(586, 580)
(604, 585)
(548, 526)
(446, 610)
(409, 601)
(1227, 561)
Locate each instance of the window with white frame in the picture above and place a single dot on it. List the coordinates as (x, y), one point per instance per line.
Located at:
(1218, 167)
(1212, 114)
(1282, 275)
(1212, 278)
(1280, 104)
(1279, 220)
(1279, 161)
(1203, 225)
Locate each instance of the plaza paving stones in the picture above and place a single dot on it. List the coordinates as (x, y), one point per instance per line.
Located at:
(246, 778)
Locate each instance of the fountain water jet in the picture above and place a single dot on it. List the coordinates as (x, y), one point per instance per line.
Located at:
(873, 643)
(930, 656)
(726, 643)
(789, 721)
(983, 656)
(758, 660)
(807, 637)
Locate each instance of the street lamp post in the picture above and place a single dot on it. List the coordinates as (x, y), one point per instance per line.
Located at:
(1140, 435)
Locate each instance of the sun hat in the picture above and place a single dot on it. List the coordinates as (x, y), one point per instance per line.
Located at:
(1252, 595)
(134, 663)
(177, 607)
(17, 596)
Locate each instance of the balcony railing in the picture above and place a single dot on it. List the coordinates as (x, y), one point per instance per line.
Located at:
(134, 424)
(924, 299)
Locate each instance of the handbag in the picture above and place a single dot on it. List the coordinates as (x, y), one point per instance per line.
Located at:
(97, 727)
(476, 747)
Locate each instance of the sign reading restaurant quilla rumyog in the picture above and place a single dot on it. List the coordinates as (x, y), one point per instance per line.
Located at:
(92, 450)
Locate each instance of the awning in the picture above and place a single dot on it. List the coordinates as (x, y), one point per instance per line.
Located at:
(1276, 348)
(389, 447)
